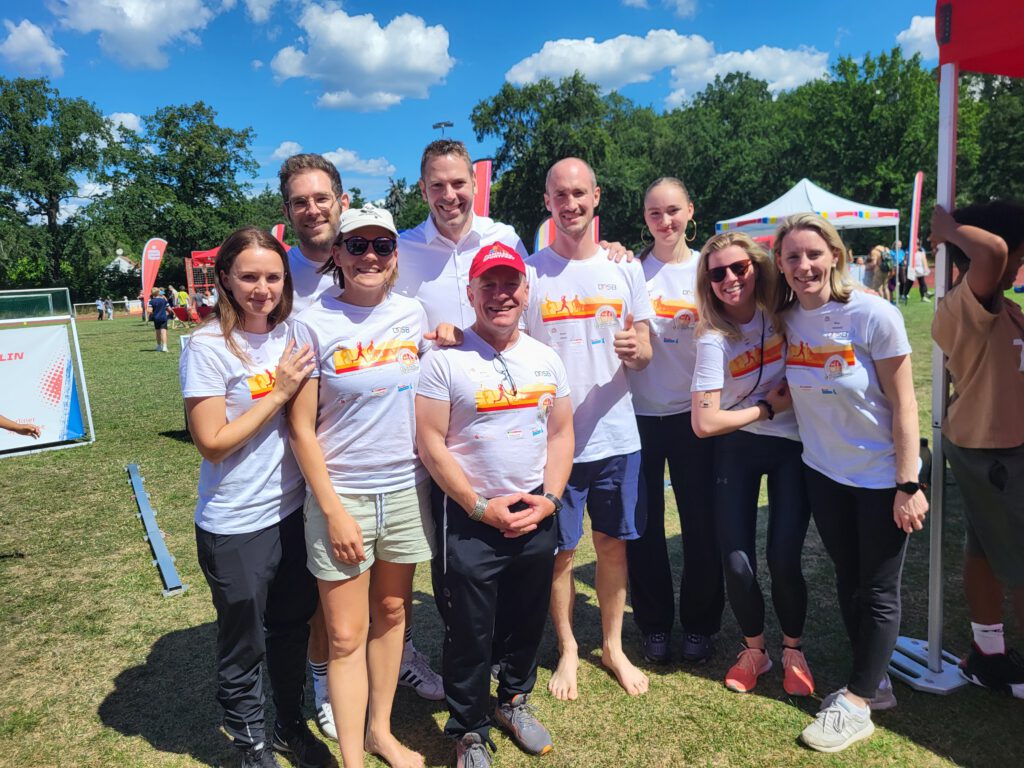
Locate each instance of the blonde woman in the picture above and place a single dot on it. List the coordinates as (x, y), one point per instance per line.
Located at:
(367, 515)
(740, 396)
(848, 368)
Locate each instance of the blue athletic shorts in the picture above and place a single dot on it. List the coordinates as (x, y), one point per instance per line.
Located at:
(611, 491)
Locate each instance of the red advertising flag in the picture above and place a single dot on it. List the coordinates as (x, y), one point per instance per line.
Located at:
(482, 174)
(152, 253)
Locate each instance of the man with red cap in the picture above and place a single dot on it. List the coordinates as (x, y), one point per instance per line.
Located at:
(494, 428)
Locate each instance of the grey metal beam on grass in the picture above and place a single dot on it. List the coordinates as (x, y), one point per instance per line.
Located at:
(164, 561)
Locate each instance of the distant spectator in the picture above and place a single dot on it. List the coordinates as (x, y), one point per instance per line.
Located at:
(99, 308)
(142, 303)
(160, 315)
(108, 307)
(28, 430)
(172, 296)
(183, 298)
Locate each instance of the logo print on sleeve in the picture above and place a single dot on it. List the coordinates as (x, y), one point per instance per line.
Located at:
(348, 359)
(502, 399)
(834, 359)
(261, 384)
(606, 310)
(749, 361)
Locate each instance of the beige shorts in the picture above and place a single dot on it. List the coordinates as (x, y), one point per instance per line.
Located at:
(397, 527)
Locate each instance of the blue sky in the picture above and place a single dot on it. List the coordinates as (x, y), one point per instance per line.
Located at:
(364, 81)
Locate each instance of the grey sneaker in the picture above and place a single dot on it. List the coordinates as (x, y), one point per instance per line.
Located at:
(517, 718)
(415, 673)
(470, 752)
(883, 700)
(836, 727)
(697, 648)
(657, 647)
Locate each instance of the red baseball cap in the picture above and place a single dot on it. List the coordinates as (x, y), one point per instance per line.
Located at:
(495, 255)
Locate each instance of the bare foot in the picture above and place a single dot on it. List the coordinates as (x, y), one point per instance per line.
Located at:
(562, 684)
(633, 681)
(388, 748)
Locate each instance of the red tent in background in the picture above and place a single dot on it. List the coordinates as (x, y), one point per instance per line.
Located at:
(199, 266)
(983, 36)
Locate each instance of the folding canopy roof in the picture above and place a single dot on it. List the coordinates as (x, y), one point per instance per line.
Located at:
(808, 196)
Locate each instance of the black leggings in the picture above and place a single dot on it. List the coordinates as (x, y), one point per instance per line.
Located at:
(867, 549)
(701, 593)
(741, 460)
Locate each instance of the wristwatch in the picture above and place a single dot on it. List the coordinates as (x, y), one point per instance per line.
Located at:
(478, 509)
(909, 487)
(554, 500)
(768, 409)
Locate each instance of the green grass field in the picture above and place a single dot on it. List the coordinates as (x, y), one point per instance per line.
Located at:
(99, 669)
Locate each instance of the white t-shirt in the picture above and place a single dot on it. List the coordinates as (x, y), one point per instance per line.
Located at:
(498, 438)
(845, 419)
(368, 363)
(260, 483)
(663, 387)
(576, 307)
(752, 373)
(435, 271)
(307, 283)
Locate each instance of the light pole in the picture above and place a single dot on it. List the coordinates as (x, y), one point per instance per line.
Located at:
(442, 125)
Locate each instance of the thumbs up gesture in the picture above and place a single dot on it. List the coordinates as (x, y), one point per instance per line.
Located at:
(626, 345)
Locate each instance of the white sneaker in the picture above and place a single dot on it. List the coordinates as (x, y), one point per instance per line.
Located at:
(416, 673)
(325, 719)
(837, 727)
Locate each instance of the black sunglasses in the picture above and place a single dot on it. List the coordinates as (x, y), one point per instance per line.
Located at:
(382, 246)
(738, 268)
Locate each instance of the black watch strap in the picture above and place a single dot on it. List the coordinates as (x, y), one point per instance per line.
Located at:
(554, 500)
(909, 487)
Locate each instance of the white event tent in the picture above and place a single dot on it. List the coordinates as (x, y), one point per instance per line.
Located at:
(808, 196)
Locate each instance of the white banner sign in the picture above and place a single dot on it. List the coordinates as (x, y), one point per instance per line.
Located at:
(39, 385)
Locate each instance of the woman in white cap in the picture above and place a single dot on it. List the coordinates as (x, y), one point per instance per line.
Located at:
(367, 511)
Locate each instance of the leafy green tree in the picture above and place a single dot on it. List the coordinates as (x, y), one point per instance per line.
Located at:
(537, 125)
(49, 145)
(406, 204)
(182, 178)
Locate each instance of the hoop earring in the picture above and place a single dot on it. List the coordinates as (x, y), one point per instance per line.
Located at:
(692, 237)
(644, 241)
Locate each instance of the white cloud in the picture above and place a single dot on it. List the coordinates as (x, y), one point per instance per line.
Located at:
(364, 65)
(347, 160)
(635, 3)
(30, 51)
(259, 10)
(683, 8)
(135, 32)
(612, 63)
(286, 150)
(256, 64)
(626, 59)
(919, 37)
(128, 120)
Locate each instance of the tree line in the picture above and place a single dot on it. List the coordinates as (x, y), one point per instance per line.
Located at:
(74, 187)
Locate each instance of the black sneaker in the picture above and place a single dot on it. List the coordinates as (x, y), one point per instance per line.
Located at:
(1003, 672)
(697, 648)
(299, 742)
(657, 647)
(259, 756)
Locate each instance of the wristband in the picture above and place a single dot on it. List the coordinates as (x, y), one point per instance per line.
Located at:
(768, 408)
(554, 500)
(478, 509)
(909, 487)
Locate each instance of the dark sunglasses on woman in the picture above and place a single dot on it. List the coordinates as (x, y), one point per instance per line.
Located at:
(382, 246)
(738, 268)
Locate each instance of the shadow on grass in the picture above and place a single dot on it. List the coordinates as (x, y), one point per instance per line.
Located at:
(170, 700)
(181, 435)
